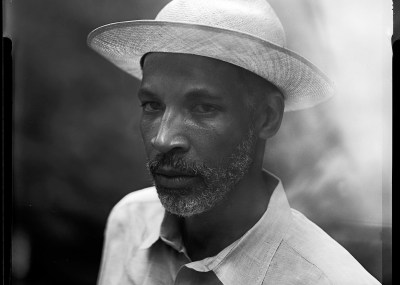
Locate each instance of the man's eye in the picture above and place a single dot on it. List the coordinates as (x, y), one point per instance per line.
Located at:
(204, 108)
(151, 106)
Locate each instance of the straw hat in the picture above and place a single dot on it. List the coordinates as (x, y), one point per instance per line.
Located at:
(246, 33)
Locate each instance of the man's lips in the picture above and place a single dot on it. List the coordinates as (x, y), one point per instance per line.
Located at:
(170, 172)
(172, 178)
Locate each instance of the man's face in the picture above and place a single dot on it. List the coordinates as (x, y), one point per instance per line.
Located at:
(197, 130)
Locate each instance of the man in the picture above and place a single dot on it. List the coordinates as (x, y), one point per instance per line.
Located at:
(216, 80)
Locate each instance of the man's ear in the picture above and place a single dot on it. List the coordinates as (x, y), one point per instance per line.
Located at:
(271, 114)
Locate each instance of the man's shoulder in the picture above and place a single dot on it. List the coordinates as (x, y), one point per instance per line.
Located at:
(321, 254)
(137, 212)
(144, 201)
(145, 195)
(134, 220)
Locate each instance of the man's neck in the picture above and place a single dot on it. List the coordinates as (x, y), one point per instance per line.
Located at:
(207, 234)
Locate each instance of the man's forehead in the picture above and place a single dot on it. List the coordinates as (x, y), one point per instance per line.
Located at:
(200, 67)
(160, 69)
(166, 74)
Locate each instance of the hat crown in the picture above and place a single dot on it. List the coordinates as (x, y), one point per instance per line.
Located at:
(254, 17)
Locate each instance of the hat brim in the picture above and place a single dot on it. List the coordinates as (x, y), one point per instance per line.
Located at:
(124, 44)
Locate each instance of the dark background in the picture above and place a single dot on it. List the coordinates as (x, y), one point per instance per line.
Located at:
(77, 149)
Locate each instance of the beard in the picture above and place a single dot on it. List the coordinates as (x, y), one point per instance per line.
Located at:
(215, 182)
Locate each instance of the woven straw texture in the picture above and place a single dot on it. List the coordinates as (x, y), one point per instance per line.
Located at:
(246, 33)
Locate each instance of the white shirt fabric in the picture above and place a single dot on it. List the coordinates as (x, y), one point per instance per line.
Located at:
(143, 246)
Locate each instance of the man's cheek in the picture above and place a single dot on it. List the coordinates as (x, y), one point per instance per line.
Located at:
(148, 130)
(146, 138)
(218, 149)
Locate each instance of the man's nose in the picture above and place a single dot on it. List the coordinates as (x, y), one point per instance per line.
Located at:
(170, 134)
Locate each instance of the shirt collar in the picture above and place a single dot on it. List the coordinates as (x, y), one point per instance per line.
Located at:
(167, 229)
(246, 260)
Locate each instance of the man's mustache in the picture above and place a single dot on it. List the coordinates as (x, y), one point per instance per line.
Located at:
(174, 161)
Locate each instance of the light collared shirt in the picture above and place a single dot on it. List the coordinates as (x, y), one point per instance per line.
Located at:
(143, 246)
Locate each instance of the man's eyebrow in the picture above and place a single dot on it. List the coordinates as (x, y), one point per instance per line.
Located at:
(191, 94)
(144, 92)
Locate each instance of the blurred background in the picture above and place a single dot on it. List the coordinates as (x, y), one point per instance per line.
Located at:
(77, 150)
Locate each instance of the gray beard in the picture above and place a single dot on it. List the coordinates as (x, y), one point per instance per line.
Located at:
(217, 182)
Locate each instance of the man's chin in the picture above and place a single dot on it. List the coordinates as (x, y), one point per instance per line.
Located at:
(187, 202)
(179, 205)
(183, 202)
